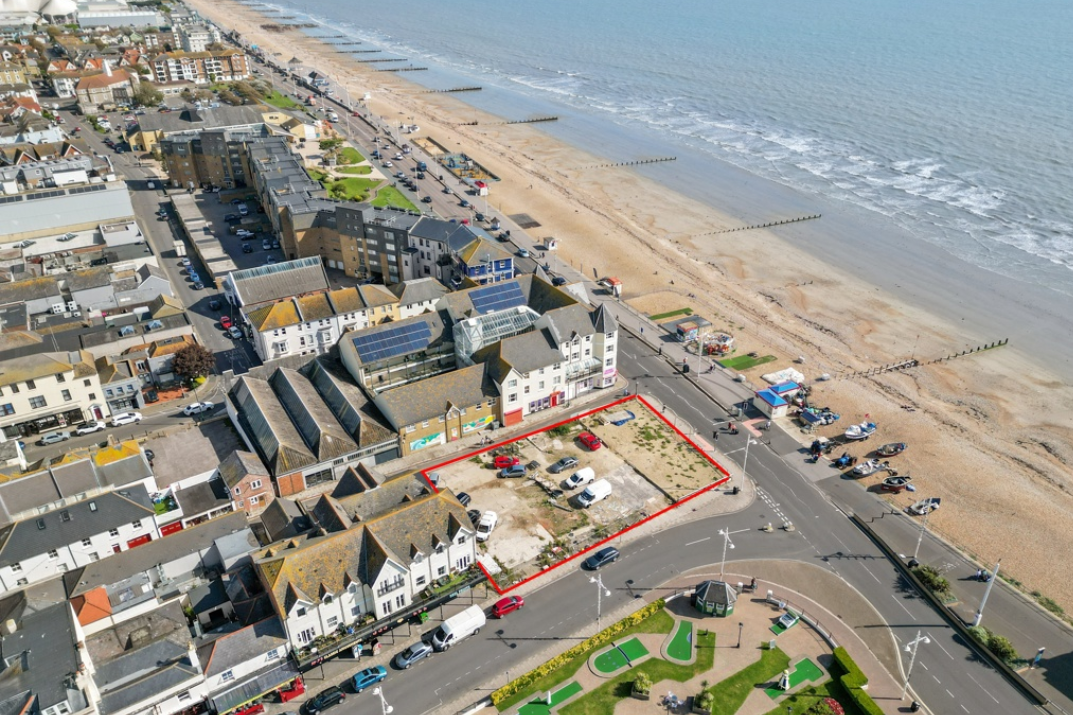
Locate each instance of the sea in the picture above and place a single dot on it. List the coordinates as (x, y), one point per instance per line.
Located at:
(952, 121)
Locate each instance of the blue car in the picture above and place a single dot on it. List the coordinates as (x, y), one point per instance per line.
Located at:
(369, 677)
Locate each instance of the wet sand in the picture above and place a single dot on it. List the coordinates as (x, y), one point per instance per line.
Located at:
(991, 433)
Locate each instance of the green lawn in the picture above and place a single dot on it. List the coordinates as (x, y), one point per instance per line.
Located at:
(353, 189)
(805, 698)
(362, 169)
(805, 670)
(744, 362)
(658, 622)
(350, 155)
(602, 701)
(281, 101)
(681, 646)
(671, 314)
(731, 693)
(609, 661)
(390, 196)
(541, 707)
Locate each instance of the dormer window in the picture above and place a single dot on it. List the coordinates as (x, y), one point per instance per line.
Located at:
(328, 598)
(300, 611)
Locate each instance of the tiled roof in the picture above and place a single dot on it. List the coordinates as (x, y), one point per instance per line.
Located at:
(274, 434)
(314, 307)
(280, 280)
(433, 397)
(525, 352)
(375, 296)
(169, 346)
(568, 321)
(274, 316)
(103, 80)
(314, 420)
(33, 367)
(219, 653)
(346, 300)
(240, 464)
(417, 291)
(92, 607)
(483, 251)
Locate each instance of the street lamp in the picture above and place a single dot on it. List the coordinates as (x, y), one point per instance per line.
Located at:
(987, 592)
(911, 647)
(745, 462)
(923, 528)
(384, 707)
(725, 533)
(600, 593)
(740, 626)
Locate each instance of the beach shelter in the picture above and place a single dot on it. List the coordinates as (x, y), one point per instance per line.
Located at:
(771, 403)
(716, 598)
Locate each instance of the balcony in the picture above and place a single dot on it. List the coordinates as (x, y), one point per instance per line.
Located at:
(390, 586)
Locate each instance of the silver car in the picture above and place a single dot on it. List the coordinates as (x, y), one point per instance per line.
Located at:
(53, 438)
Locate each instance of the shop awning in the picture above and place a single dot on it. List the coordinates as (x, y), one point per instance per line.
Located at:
(254, 688)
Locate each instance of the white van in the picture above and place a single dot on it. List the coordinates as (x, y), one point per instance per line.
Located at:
(580, 478)
(597, 491)
(458, 627)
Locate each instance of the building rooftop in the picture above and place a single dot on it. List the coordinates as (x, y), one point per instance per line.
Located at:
(433, 397)
(279, 280)
(39, 658)
(199, 119)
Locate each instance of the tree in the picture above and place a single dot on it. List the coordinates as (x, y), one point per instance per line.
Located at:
(147, 95)
(203, 95)
(193, 361)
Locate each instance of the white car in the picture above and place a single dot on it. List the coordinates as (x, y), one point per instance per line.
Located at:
(243, 233)
(485, 526)
(90, 428)
(126, 418)
(198, 407)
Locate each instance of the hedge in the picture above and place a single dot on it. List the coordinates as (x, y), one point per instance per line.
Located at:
(853, 679)
(606, 635)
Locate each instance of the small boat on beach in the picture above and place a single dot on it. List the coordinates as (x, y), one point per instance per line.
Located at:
(868, 468)
(891, 450)
(896, 485)
(862, 431)
(924, 506)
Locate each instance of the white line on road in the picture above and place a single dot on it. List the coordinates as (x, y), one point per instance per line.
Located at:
(903, 606)
(964, 708)
(698, 541)
(874, 576)
(936, 642)
(982, 687)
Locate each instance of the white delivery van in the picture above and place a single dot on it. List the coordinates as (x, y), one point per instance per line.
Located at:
(597, 491)
(580, 478)
(458, 627)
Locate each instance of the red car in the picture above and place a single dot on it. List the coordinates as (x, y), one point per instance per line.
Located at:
(507, 605)
(590, 440)
(225, 322)
(502, 462)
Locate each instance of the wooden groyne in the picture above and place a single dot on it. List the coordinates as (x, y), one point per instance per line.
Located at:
(639, 162)
(453, 89)
(913, 362)
(769, 224)
(361, 52)
(403, 69)
(534, 120)
(384, 59)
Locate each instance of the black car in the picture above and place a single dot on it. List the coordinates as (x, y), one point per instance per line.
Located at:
(247, 248)
(214, 304)
(103, 261)
(426, 199)
(474, 515)
(563, 464)
(325, 699)
(601, 558)
(420, 174)
(558, 281)
(232, 217)
(463, 498)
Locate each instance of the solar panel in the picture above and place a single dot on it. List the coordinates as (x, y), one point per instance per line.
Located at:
(391, 343)
(498, 296)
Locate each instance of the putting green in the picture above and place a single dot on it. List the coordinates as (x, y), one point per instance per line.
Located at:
(633, 649)
(681, 645)
(541, 706)
(805, 670)
(609, 661)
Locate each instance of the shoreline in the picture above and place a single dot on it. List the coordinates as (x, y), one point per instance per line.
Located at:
(988, 433)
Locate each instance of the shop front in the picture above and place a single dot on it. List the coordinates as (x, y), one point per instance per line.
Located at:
(46, 423)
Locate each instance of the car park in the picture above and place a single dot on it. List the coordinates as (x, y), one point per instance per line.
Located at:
(53, 438)
(590, 440)
(369, 677)
(413, 654)
(515, 472)
(325, 699)
(235, 332)
(503, 461)
(90, 428)
(198, 407)
(486, 525)
(463, 498)
(126, 418)
(607, 555)
(563, 464)
(510, 604)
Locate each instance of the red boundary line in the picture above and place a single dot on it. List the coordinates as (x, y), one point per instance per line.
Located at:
(616, 403)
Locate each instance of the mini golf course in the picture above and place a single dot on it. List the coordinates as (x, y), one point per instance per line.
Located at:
(805, 670)
(681, 646)
(619, 656)
(540, 706)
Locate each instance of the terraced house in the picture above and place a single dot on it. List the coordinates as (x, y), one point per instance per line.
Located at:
(323, 583)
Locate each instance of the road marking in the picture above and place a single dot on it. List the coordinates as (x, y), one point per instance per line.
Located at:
(903, 606)
(874, 576)
(936, 642)
(964, 708)
(698, 541)
(982, 687)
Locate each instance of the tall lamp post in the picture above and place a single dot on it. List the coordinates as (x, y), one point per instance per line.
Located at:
(600, 593)
(920, 538)
(911, 647)
(987, 592)
(745, 462)
(727, 543)
(384, 707)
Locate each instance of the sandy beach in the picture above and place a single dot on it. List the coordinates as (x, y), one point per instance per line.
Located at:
(990, 434)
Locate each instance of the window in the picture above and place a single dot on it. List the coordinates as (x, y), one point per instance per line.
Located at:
(386, 607)
(66, 395)
(21, 582)
(227, 676)
(255, 484)
(254, 501)
(540, 385)
(272, 654)
(87, 542)
(400, 600)
(462, 539)
(333, 621)
(53, 554)
(15, 389)
(60, 378)
(425, 423)
(513, 397)
(609, 362)
(236, 491)
(419, 581)
(17, 566)
(92, 395)
(355, 611)
(328, 598)
(31, 385)
(300, 611)
(7, 410)
(441, 571)
(588, 351)
(113, 532)
(37, 402)
(87, 383)
(512, 383)
(137, 524)
(411, 428)
(184, 696)
(527, 389)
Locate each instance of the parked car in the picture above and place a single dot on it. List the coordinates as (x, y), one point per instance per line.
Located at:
(503, 461)
(463, 498)
(413, 654)
(487, 525)
(53, 438)
(602, 557)
(232, 217)
(275, 243)
(474, 516)
(563, 464)
(198, 407)
(243, 233)
(510, 604)
(514, 472)
(198, 285)
(185, 262)
(225, 322)
(214, 305)
(325, 699)
(266, 245)
(590, 440)
(369, 677)
(126, 418)
(235, 332)
(558, 281)
(90, 428)
(247, 248)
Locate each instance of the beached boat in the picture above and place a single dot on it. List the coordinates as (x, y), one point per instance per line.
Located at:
(862, 431)
(924, 506)
(896, 484)
(891, 450)
(868, 468)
